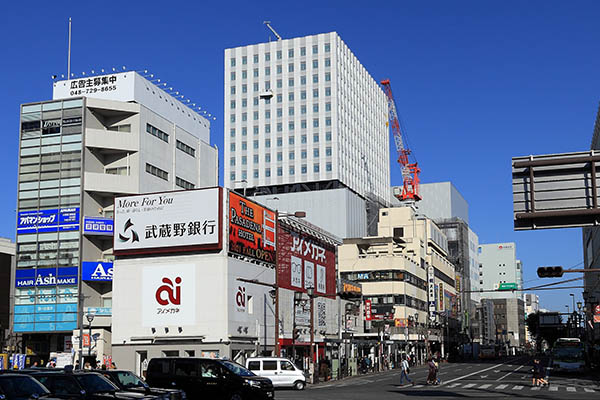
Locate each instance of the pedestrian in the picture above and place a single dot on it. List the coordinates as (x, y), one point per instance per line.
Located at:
(538, 374)
(432, 375)
(405, 371)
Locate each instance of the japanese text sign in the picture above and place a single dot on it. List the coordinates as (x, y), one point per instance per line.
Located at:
(186, 221)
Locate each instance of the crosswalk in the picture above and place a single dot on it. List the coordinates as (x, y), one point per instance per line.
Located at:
(504, 386)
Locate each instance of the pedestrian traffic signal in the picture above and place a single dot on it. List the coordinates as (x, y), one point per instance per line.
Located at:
(550, 272)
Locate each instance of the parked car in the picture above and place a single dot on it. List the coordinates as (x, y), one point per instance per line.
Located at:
(127, 380)
(281, 371)
(22, 387)
(84, 385)
(207, 378)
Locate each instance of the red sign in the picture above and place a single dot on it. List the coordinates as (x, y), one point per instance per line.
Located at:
(251, 229)
(597, 309)
(368, 315)
(86, 340)
(597, 319)
(305, 261)
(167, 288)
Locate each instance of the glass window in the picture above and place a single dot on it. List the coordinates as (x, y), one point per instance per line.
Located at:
(279, 56)
(279, 171)
(303, 168)
(328, 151)
(267, 172)
(233, 61)
(291, 140)
(232, 76)
(315, 63)
(291, 82)
(302, 51)
(327, 91)
(327, 47)
(267, 157)
(328, 62)
(315, 152)
(255, 58)
(316, 107)
(267, 143)
(302, 66)
(279, 156)
(292, 170)
(291, 125)
(315, 78)
(267, 70)
(303, 154)
(327, 106)
(315, 49)
(328, 167)
(267, 56)
(328, 136)
(233, 90)
(303, 80)
(315, 122)
(291, 96)
(290, 67)
(315, 93)
(255, 173)
(244, 74)
(291, 155)
(303, 139)
(279, 142)
(316, 168)
(291, 53)
(232, 161)
(327, 77)
(255, 72)
(303, 107)
(279, 127)
(279, 69)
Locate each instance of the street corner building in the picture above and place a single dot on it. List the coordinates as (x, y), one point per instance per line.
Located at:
(98, 138)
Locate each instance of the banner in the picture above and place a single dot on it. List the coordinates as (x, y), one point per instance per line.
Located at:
(251, 229)
(51, 220)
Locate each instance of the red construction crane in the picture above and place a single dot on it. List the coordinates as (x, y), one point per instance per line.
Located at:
(410, 171)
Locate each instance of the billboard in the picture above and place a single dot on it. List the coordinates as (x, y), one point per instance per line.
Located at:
(555, 190)
(50, 220)
(98, 226)
(94, 271)
(251, 229)
(304, 261)
(171, 221)
(168, 295)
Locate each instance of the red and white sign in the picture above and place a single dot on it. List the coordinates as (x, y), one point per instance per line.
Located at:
(597, 319)
(597, 309)
(305, 261)
(240, 299)
(168, 295)
(368, 315)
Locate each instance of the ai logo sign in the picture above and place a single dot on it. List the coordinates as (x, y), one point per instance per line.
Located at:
(240, 299)
(173, 298)
(169, 295)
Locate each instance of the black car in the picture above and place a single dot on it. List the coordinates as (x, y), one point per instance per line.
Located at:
(127, 380)
(84, 386)
(207, 378)
(22, 387)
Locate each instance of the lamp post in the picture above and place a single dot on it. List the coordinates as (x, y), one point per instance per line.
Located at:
(419, 353)
(311, 291)
(90, 317)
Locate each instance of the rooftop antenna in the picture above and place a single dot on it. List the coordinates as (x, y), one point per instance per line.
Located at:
(268, 24)
(69, 52)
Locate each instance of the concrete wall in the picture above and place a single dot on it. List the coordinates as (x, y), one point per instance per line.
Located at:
(339, 211)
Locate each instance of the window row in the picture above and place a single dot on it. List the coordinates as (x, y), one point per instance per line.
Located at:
(182, 183)
(185, 148)
(154, 131)
(279, 171)
(279, 54)
(49, 202)
(279, 97)
(290, 68)
(386, 275)
(279, 156)
(267, 129)
(398, 300)
(152, 170)
(291, 141)
(291, 110)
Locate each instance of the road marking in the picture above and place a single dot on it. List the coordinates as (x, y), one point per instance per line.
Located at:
(515, 370)
(454, 385)
(500, 387)
(571, 389)
(588, 390)
(418, 386)
(535, 388)
(473, 373)
(518, 387)
(483, 376)
(469, 385)
(487, 385)
(496, 371)
(553, 388)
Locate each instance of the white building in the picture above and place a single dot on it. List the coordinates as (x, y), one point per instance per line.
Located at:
(442, 200)
(499, 269)
(100, 137)
(303, 115)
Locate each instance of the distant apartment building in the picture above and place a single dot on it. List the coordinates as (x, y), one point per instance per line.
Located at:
(306, 128)
(499, 270)
(406, 276)
(98, 138)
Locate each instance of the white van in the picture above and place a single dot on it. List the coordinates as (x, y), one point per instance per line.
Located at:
(281, 371)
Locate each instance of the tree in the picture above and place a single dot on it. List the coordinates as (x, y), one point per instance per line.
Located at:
(540, 332)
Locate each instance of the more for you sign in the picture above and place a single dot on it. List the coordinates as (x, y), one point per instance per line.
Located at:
(184, 221)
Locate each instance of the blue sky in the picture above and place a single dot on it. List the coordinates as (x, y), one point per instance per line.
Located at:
(476, 83)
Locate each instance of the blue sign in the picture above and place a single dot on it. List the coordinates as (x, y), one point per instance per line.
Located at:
(98, 226)
(97, 271)
(52, 220)
(46, 277)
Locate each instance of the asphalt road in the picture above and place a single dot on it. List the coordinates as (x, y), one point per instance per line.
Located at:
(494, 379)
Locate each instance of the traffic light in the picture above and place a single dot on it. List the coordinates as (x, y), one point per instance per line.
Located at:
(550, 272)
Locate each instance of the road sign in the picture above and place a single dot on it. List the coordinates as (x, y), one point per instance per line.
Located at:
(507, 286)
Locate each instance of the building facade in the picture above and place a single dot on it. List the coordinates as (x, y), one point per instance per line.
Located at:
(499, 270)
(303, 115)
(99, 137)
(7, 270)
(532, 306)
(406, 279)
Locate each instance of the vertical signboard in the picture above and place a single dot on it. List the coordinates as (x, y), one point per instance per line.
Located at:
(305, 261)
(431, 292)
(441, 297)
(368, 314)
(251, 229)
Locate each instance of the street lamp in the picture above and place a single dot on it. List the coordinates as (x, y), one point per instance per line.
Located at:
(245, 182)
(90, 317)
(311, 292)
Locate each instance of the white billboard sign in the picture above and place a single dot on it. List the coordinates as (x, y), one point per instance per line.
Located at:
(168, 295)
(185, 220)
(431, 292)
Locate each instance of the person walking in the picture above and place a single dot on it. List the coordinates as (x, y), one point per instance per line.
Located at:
(405, 371)
(538, 374)
(432, 376)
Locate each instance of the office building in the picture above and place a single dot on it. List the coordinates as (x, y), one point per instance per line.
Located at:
(99, 137)
(306, 128)
(442, 200)
(532, 306)
(509, 317)
(406, 279)
(499, 269)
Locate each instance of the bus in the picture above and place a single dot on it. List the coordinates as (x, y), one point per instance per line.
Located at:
(487, 352)
(568, 355)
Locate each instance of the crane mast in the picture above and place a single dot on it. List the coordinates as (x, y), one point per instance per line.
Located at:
(410, 171)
